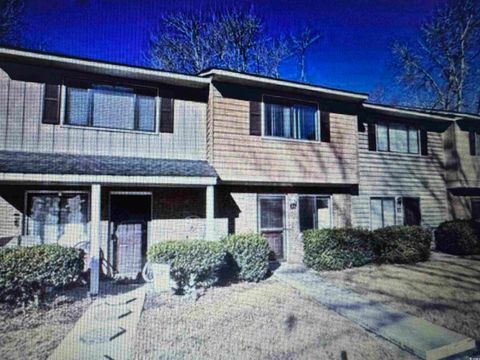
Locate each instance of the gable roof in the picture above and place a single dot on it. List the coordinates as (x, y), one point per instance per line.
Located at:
(280, 84)
(102, 67)
(408, 113)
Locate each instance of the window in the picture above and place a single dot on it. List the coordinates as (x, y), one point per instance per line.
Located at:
(111, 107)
(382, 212)
(290, 120)
(474, 143)
(314, 212)
(57, 217)
(476, 209)
(396, 137)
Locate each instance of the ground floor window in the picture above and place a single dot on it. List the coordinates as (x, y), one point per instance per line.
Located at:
(57, 217)
(314, 212)
(382, 212)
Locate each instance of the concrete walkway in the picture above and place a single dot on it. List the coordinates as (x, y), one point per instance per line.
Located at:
(418, 336)
(106, 330)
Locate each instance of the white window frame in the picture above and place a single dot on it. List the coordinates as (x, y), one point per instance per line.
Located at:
(387, 124)
(300, 101)
(315, 196)
(394, 198)
(63, 113)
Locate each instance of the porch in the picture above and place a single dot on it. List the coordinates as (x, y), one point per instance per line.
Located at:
(115, 216)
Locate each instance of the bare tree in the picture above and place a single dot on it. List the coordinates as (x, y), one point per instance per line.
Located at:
(10, 21)
(183, 43)
(269, 55)
(442, 66)
(302, 41)
(242, 29)
(233, 38)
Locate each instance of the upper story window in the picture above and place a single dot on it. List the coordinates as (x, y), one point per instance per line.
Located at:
(290, 119)
(474, 142)
(397, 137)
(109, 106)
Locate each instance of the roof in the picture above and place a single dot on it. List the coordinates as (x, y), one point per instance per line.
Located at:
(457, 114)
(102, 67)
(409, 113)
(274, 83)
(71, 164)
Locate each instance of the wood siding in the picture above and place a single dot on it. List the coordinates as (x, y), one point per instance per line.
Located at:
(239, 157)
(463, 169)
(409, 175)
(21, 129)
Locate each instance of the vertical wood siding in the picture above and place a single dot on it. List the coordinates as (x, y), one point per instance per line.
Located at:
(394, 174)
(21, 129)
(238, 156)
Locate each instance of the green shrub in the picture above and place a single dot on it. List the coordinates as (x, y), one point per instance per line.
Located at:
(458, 237)
(402, 244)
(336, 249)
(194, 263)
(247, 256)
(26, 272)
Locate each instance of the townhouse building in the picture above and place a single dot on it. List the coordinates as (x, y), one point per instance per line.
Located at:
(114, 158)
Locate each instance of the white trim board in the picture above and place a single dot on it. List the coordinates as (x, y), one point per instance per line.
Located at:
(106, 68)
(248, 79)
(109, 179)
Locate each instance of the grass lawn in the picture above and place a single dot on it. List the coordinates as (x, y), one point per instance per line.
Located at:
(266, 320)
(444, 290)
(35, 333)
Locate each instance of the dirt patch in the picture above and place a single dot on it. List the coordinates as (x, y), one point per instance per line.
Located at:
(36, 332)
(267, 320)
(444, 290)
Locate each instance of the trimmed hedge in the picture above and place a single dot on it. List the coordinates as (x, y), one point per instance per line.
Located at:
(247, 256)
(26, 272)
(402, 244)
(194, 263)
(458, 237)
(336, 249)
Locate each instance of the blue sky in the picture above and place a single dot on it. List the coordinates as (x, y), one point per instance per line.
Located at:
(354, 53)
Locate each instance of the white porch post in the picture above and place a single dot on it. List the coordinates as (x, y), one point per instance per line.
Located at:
(95, 239)
(210, 221)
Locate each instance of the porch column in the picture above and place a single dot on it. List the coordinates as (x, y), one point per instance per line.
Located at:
(95, 239)
(210, 207)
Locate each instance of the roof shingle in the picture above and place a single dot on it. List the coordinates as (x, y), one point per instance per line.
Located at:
(63, 164)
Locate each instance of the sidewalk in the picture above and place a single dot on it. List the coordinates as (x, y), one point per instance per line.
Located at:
(106, 330)
(420, 337)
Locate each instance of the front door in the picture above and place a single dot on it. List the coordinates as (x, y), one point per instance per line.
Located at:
(129, 217)
(272, 223)
(411, 211)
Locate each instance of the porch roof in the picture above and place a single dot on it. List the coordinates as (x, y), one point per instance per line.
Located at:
(107, 167)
